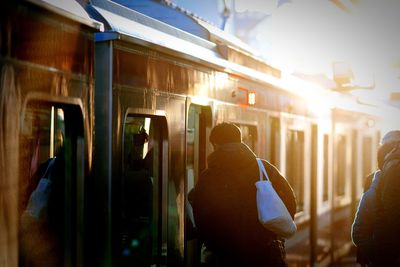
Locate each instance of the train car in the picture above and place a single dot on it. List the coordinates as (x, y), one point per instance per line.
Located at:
(47, 91)
(170, 88)
(114, 109)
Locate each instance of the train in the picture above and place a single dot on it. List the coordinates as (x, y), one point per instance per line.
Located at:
(105, 118)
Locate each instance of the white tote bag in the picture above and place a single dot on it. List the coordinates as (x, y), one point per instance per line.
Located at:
(272, 212)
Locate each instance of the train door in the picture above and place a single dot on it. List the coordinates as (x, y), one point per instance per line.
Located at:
(197, 147)
(51, 185)
(139, 201)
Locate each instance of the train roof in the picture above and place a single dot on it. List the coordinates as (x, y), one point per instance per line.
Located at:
(186, 27)
(70, 9)
(116, 18)
(131, 26)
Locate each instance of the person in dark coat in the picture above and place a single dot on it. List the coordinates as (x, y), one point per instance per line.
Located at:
(224, 204)
(363, 226)
(376, 207)
(386, 249)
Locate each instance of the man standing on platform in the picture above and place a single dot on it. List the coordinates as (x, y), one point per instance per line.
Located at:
(224, 204)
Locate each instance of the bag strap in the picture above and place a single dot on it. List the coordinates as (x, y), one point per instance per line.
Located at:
(262, 170)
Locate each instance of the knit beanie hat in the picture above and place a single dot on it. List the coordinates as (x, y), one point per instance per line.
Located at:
(225, 133)
(389, 140)
(391, 137)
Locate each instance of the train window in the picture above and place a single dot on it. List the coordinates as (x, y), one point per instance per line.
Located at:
(325, 192)
(249, 135)
(341, 166)
(139, 220)
(50, 184)
(275, 141)
(366, 157)
(295, 165)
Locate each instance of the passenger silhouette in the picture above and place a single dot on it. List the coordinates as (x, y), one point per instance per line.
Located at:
(138, 205)
(42, 222)
(372, 230)
(224, 204)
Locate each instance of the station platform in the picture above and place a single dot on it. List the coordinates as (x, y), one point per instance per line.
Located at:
(348, 260)
(331, 250)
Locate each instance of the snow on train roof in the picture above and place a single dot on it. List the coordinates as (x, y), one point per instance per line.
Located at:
(71, 9)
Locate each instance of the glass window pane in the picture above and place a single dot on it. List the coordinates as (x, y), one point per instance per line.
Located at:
(295, 165)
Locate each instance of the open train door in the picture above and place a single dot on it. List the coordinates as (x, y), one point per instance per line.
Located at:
(139, 192)
(51, 184)
(197, 148)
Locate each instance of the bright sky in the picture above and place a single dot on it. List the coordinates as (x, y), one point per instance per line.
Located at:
(308, 35)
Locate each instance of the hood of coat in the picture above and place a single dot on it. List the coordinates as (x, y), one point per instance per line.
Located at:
(233, 155)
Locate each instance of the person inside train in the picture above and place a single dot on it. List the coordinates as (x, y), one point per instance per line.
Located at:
(138, 204)
(372, 217)
(224, 204)
(42, 221)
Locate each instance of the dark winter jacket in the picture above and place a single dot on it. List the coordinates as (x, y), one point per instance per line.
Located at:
(225, 209)
(364, 223)
(387, 232)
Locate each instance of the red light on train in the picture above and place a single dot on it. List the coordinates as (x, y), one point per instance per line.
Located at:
(251, 99)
